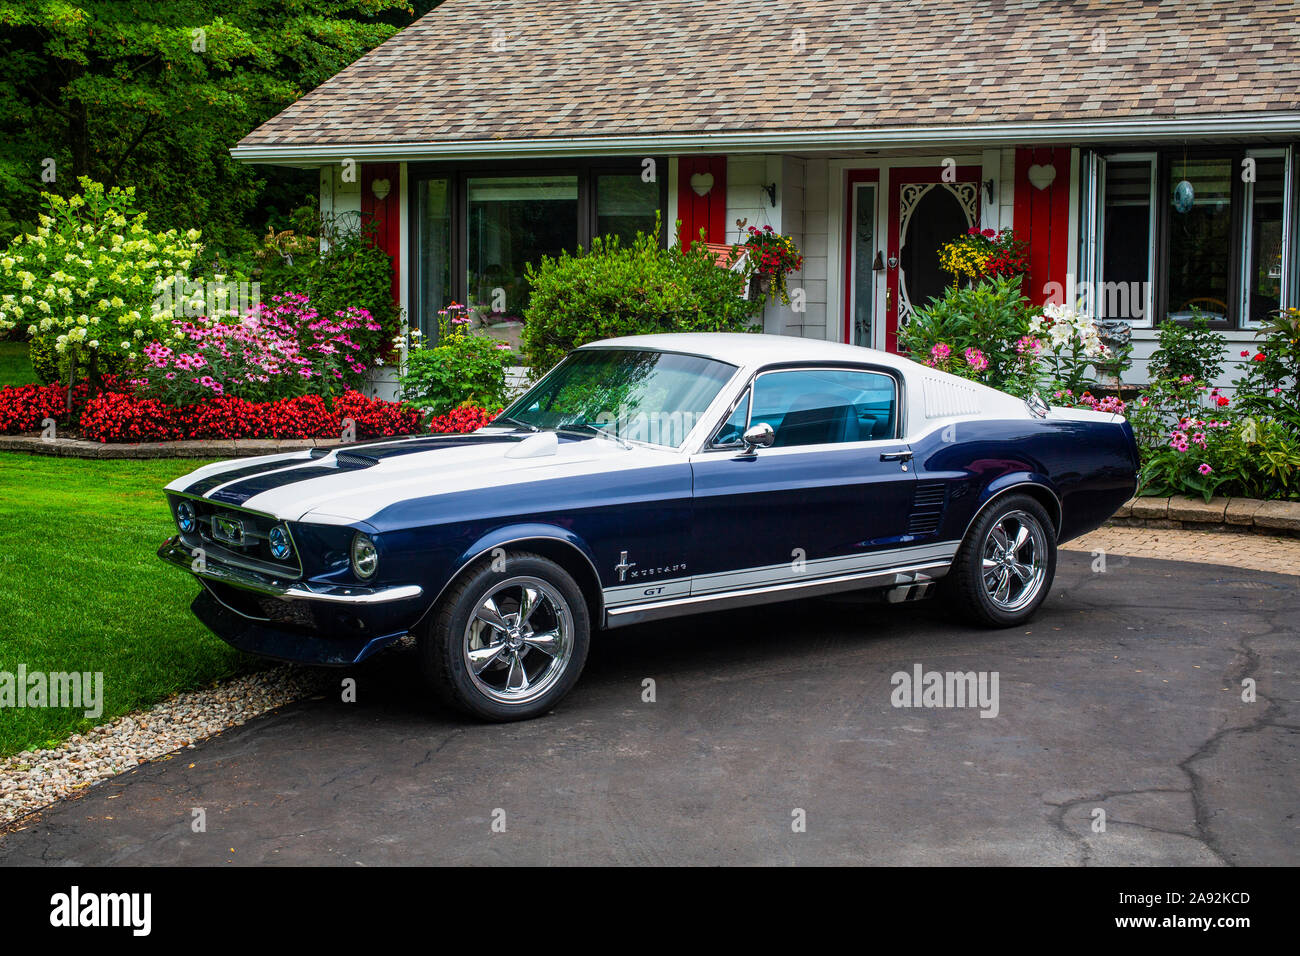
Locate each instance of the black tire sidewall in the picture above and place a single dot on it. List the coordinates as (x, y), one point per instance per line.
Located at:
(973, 600)
(441, 639)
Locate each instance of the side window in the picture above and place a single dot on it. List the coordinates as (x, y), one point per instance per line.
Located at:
(733, 429)
(825, 406)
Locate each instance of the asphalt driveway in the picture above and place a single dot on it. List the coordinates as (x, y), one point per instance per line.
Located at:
(772, 739)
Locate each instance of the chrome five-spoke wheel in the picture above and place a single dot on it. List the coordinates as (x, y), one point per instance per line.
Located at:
(1014, 561)
(519, 640)
(1004, 568)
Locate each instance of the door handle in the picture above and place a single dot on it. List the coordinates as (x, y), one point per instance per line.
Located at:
(896, 456)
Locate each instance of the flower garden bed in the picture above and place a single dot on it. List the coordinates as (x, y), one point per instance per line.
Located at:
(118, 423)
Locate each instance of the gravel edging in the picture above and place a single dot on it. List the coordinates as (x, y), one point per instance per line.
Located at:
(31, 780)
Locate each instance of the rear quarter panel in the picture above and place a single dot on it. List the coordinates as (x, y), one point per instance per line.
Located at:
(1089, 466)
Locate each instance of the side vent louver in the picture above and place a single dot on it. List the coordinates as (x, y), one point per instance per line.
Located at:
(927, 508)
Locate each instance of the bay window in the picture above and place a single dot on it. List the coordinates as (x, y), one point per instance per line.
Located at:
(1183, 232)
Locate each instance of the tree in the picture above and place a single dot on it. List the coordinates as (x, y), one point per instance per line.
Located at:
(137, 92)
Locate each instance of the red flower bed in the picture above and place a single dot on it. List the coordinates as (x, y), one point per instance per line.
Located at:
(24, 407)
(464, 419)
(119, 416)
(122, 418)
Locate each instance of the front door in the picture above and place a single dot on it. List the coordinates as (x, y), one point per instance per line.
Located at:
(928, 207)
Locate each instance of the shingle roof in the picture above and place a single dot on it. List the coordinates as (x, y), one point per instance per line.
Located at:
(482, 70)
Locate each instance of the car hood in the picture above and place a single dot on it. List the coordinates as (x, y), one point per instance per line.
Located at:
(346, 484)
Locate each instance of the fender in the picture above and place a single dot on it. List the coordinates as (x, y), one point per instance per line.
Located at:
(507, 535)
(1009, 482)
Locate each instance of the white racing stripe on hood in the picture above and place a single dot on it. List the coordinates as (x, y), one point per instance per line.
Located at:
(357, 494)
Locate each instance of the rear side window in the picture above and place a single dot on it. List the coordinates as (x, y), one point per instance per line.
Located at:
(825, 406)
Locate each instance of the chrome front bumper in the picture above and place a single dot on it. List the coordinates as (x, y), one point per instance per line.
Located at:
(175, 552)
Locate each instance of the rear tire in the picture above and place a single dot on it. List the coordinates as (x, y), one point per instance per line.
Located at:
(508, 640)
(1004, 568)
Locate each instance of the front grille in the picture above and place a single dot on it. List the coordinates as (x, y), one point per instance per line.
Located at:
(238, 537)
(927, 508)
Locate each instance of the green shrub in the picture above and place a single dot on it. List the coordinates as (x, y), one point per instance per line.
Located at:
(1191, 348)
(614, 290)
(986, 320)
(1270, 385)
(354, 273)
(462, 368)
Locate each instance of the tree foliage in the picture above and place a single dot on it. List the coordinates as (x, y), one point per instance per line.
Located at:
(149, 94)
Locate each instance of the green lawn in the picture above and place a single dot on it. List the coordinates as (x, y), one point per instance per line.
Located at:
(84, 591)
(15, 368)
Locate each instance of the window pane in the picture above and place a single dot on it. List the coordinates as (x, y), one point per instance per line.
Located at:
(824, 406)
(1200, 239)
(434, 253)
(514, 220)
(654, 397)
(1264, 289)
(864, 251)
(1126, 256)
(625, 205)
(733, 429)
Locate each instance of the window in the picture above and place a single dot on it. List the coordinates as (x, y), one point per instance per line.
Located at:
(512, 221)
(1126, 243)
(639, 395)
(625, 205)
(1266, 220)
(1184, 232)
(476, 229)
(732, 431)
(433, 262)
(1198, 275)
(825, 406)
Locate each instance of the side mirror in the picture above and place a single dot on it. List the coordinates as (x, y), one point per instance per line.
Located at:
(758, 435)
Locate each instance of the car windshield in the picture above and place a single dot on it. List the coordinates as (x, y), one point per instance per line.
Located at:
(631, 394)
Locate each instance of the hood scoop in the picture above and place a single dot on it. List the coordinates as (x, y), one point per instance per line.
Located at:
(344, 459)
(541, 445)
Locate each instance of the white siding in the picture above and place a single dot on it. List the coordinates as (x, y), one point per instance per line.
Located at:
(799, 212)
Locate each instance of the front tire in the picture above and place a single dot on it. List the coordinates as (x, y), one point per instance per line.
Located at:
(508, 640)
(1004, 568)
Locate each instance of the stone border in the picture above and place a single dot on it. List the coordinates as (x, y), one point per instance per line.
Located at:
(228, 448)
(1218, 514)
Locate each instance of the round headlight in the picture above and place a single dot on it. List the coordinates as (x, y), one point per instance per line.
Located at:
(185, 517)
(279, 541)
(365, 556)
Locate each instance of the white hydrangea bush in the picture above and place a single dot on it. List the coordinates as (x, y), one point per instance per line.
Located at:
(86, 283)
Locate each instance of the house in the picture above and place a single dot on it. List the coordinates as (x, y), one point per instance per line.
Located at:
(1145, 150)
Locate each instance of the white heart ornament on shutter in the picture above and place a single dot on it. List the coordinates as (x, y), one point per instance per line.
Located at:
(381, 188)
(702, 183)
(1040, 177)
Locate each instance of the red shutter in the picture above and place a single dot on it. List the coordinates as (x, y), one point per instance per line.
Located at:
(707, 212)
(384, 213)
(1042, 217)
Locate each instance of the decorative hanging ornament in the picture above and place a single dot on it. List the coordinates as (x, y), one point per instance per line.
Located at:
(1184, 196)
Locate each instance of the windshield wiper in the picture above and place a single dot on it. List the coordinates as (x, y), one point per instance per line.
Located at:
(583, 428)
(524, 425)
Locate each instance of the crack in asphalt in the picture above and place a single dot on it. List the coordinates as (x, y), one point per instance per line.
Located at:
(1250, 663)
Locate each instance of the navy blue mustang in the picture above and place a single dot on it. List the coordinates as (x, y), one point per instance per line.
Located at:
(644, 478)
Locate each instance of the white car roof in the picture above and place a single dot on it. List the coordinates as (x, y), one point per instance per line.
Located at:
(748, 349)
